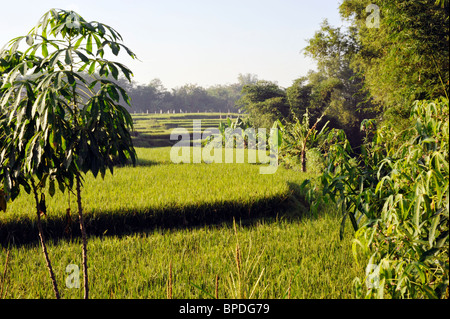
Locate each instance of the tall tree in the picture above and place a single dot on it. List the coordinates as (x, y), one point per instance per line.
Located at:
(336, 86)
(405, 57)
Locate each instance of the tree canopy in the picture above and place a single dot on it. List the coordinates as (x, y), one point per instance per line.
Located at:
(406, 57)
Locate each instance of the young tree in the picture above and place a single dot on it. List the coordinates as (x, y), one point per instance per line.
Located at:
(13, 173)
(68, 121)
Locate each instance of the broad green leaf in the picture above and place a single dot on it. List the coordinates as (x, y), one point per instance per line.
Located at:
(71, 78)
(127, 72)
(78, 43)
(98, 42)
(54, 58)
(83, 67)
(130, 53)
(114, 71)
(68, 60)
(92, 68)
(83, 58)
(101, 29)
(44, 50)
(113, 93)
(103, 70)
(417, 211)
(89, 44)
(51, 188)
(114, 48)
(432, 233)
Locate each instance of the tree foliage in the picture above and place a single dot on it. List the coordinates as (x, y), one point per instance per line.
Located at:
(264, 102)
(335, 85)
(154, 97)
(396, 193)
(406, 58)
(61, 114)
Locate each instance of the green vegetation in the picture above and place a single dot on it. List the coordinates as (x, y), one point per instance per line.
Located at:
(406, 59)
(191, 229)
(158, 192)
(59, 120)
(396, 195)
(386, 153)
(305, 259)
(153, 130)
(189, 98)
(359, 206)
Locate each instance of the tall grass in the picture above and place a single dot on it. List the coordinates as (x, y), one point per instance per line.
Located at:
(304, 255)
(158, 193)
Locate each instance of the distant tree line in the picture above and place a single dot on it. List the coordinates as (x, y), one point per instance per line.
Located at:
(154, 97)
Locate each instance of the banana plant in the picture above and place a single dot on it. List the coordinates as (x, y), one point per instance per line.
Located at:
(297, 137)
(239, 123)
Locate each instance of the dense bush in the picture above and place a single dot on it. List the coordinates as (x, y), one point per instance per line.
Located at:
(395, 193)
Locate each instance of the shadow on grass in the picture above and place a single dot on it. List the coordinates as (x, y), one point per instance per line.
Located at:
(175, 216)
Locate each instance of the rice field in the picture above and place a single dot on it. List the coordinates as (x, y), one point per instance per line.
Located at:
(159, 220)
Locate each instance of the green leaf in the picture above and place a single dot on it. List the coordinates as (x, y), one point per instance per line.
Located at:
(353, 220)
(114, 71)
(68, 60)
(432, 233)
(71, 78)
(92, 68)
(114, 48)
(113, 93)
(89, 44)
(54, 58)
(130, 53)
(127, 72)
(103, 70)
(342, 228)
(51, 188)
(83, 67)
(101, 29)
(124, 94)
(83, 58)
(44, 50)
(78, 43)
(417, 210)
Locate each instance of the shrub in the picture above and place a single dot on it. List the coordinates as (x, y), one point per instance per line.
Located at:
(396, 196)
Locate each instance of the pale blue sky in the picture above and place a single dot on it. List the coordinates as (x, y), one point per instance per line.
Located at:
(197, 41)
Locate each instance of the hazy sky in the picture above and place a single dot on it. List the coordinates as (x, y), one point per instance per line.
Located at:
(196, 41)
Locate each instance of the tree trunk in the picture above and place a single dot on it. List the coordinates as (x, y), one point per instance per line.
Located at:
(303, 153)
(84, 238)
(44, 247)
